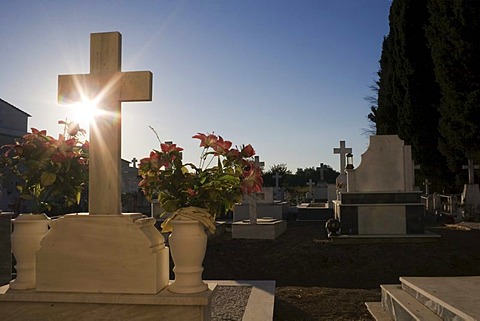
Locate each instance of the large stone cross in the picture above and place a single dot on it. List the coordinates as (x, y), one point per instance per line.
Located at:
(471, 168)
(108, 87)
(342, 150)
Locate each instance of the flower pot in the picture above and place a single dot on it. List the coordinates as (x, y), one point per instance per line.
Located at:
(28, 231)
(188, 243)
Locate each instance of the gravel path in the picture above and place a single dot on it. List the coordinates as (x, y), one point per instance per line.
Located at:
(229, 302)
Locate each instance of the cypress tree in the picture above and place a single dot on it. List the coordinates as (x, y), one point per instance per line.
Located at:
(408, 95)
(453, 38)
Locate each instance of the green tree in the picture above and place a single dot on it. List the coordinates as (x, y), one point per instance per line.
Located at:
(408, 94)
(453, 39)
(280, 169)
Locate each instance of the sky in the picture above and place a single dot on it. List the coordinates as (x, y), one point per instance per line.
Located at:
(288, 77)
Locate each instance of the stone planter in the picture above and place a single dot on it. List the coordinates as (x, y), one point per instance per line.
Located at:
(28, 231)
(188, 243)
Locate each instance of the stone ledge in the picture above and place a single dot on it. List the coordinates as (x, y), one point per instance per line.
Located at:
(265, 230)
(370, 239)
(51, 306)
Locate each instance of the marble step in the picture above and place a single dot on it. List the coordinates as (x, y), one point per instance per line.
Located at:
(401, 306)
(377, 311)
(451, 298)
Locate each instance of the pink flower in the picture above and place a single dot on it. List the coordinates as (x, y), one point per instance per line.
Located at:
(252, 182)
(248, 151)
(168, 148)
(206, 141)
(221, 147)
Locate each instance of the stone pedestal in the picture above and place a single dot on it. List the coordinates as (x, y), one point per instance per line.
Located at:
(266, 229)
(381, 213)
(103, 254)
(54, 306)
(278, 211)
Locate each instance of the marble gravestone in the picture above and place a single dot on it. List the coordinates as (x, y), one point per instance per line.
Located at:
(90, 252)
(104, 265)
(380, 199)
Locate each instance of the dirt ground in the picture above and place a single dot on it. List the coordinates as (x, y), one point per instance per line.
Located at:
(318, 280)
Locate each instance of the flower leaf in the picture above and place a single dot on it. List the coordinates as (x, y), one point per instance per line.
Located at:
(48, 178)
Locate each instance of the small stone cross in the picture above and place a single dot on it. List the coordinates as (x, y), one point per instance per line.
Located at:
(134, 162)
(258, 163)
(342, 150)
(471, 168)
(276, 176)
(322, 172)
(108, 87)
(427, 185)
(310, 184)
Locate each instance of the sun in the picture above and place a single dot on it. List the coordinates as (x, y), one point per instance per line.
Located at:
(84, 113)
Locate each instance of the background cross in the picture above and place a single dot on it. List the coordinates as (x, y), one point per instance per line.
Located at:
(342, 150)
(322, 172)
(108, 87)
(258, 163)
(276, 176)
(310, 184)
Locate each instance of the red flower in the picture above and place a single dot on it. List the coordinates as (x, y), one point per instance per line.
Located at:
(206, 141)
(192, 192)
(248, 151)
(233, 154)
(221, 147)
(252, 182)
(167, 148)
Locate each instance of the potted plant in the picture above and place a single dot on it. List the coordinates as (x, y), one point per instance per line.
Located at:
(195, 195)
(52, 174)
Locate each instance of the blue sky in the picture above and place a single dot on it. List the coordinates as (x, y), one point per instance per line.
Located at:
(288, 77)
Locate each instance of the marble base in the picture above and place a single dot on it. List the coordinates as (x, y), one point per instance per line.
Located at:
(276, 210)
(54, 306)
(102, 254)
(267, 229)
(380, 219)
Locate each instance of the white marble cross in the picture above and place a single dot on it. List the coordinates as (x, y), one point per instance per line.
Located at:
(277, 177)
(471, 168)
(342, 150)
(108, 87)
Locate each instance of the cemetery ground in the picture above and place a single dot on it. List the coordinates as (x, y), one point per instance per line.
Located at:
(318, 280)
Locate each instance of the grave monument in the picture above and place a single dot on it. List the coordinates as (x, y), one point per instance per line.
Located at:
(380, 199)
(271, 224)
(103, 265)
